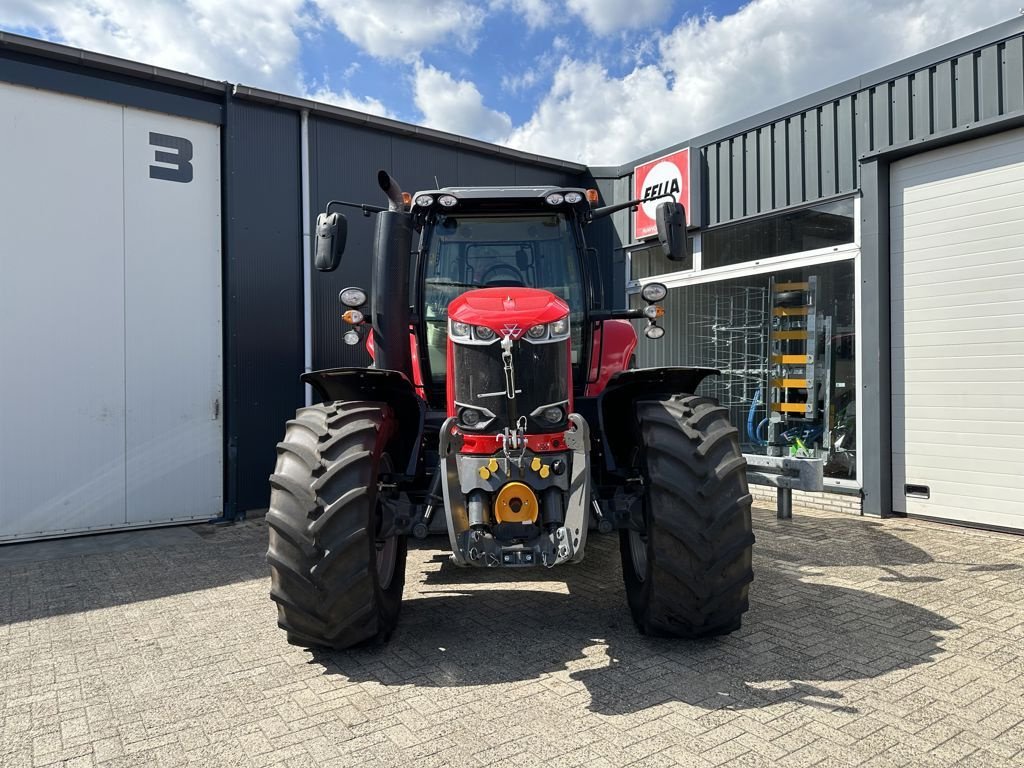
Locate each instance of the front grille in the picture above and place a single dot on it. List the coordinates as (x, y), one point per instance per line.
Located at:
(541, 376)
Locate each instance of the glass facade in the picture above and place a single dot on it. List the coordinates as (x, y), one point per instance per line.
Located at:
(784, 342)
(649, 261)
(807, 229)
(828, 225)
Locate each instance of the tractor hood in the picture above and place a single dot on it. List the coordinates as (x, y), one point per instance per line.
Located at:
(507, 310)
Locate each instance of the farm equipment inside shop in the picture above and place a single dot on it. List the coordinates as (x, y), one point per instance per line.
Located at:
(503, 407)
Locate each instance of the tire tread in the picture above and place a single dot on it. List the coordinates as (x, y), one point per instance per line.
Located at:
(698, 521)
(323, 497)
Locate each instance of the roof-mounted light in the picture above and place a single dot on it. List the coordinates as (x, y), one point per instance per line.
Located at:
(555, 198)
(447, 201)
(406, 199)
(573, 197)
(424, 201)
(592, 196)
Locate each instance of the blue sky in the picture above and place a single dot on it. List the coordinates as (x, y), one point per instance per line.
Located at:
(599, 81)
(506, 49)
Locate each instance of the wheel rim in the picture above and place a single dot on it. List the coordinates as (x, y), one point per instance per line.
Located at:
(387, 553)
(387, 549)
(638, 553)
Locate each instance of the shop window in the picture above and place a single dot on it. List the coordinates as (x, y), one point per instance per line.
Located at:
(649, 261)
(821, 226)
(784, 343)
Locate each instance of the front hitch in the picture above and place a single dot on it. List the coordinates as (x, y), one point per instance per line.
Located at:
(476, 544)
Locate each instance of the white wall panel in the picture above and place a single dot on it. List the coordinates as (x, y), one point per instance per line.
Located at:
(957, 259)
(62, 464)
(172, 318)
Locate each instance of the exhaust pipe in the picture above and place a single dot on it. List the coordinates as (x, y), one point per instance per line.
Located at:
(394, 192)
(392, 246)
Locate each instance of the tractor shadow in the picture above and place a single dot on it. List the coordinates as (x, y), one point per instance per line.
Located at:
(800, 641)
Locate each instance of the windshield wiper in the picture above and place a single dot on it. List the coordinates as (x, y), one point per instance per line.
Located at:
(452, 283)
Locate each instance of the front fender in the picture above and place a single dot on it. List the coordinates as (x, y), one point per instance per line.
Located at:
(615, 406)
(391, 387)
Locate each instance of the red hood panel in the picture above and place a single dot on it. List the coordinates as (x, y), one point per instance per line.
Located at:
(502, 309)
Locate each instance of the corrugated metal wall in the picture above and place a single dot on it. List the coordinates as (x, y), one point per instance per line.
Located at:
(263, 292)
(814, 154)
(344, 160)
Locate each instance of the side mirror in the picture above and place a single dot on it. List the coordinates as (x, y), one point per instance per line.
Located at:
(331, 233)
(671, 219)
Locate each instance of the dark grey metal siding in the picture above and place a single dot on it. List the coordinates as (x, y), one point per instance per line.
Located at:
(814, 154)
(344, 160)
(19, 66)
(262, 293)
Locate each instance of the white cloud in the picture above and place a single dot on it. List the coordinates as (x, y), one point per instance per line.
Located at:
(234, 40)
(591, 117)
(536, 13)
(456, 106)
(345, 98)
(403, 29)
(705, 73)
(521, 82)
(710, 71)
(605, 17)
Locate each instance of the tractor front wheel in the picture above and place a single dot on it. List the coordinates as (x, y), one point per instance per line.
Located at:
(336, 574)
(688, 567)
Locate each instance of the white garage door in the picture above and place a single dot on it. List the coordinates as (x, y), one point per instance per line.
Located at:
(957, 229)
(110, 341)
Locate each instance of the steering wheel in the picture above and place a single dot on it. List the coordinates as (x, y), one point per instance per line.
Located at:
(515, 277)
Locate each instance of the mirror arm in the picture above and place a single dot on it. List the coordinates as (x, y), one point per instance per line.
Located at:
(366, 208)
(616, 314)
(598, 213)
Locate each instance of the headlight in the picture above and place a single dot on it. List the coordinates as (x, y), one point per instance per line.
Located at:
(654, 292)
(552, 415)
(351, 338)
(654, 332)
(555, 198)
(573, 197)
(447, 200)
(560, 327)
(424, 201)
(483, 333)
(654, 311)
(352, 297)
(537, 332)
(470, 417)
(459, 330)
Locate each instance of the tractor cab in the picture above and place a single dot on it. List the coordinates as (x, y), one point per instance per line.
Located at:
(497, 238)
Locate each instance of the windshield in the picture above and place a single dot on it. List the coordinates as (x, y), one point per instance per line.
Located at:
(467, 252)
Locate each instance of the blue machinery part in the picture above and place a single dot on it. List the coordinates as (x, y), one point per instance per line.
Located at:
(754, 433)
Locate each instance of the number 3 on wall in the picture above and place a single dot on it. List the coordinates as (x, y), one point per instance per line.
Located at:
(180, 158)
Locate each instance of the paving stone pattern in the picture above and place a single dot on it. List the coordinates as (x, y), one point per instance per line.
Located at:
(868, 643)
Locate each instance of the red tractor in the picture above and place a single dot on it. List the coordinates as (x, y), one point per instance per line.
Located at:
(504, 407)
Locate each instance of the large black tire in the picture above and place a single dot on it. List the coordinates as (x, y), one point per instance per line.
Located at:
(336, 584)
(688, 573)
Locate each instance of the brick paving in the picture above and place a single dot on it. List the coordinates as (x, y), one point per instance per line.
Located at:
(868, 643)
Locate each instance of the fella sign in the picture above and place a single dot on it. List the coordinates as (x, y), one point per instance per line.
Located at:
(667, 175)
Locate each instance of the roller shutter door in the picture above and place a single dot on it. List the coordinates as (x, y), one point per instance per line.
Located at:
(110, 316)
(957, 245)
